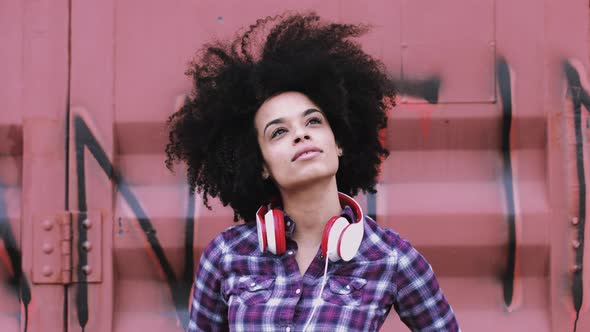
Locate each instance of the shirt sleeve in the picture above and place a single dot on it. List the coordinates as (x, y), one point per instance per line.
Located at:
(208, 309)
(419, 301)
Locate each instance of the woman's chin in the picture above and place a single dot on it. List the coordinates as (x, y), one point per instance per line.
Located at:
(308, 180)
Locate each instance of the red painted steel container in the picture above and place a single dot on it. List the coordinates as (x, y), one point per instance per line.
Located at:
(98, 236)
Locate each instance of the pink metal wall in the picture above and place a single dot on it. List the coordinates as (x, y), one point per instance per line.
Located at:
(487, 175)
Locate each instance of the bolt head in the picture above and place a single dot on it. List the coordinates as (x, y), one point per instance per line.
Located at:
(87, 223)
(47, 271)
(87, 269)
(47, 224)
(87, 245)
(47, 248)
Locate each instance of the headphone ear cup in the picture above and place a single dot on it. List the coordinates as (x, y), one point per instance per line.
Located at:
(280, 237)
(331, 237)
(269, 222)
(326, 235)
(275, 231)
(261, 229)
(349, 241)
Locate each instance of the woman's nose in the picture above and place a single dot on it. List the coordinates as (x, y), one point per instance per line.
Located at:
(301, 134)
(300, 138)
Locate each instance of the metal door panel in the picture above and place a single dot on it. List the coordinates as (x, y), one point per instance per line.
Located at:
(383, 39)
(33, 67)
(453, 41)
(158, 40)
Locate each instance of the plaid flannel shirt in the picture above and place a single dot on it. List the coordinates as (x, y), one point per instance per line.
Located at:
(238, 288)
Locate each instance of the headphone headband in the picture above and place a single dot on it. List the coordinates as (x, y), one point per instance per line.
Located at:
(356, 208)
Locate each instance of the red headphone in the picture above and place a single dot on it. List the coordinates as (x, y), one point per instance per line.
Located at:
(340, 240)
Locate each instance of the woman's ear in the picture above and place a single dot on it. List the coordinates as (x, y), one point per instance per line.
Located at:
(340, 152)
(265, 173)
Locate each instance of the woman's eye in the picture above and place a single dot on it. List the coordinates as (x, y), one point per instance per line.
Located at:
(314, 121)
(277, 132)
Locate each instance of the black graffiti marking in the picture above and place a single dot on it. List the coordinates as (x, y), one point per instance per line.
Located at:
(180, 289)
(504, 84)
(575, 86)
(427, 89)
(188, 245)
(18, 282)
(579, 96)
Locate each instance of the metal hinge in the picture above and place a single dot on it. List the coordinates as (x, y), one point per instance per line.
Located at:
(67, 248)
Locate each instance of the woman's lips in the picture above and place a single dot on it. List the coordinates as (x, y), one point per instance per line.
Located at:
(306, 153)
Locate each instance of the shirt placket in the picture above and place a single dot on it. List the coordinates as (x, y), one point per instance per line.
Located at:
(294, 288)
(296, 314)
(312, 280)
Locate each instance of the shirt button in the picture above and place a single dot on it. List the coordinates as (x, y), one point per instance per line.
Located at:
(288, 224)
(297, 291)
(290, 252)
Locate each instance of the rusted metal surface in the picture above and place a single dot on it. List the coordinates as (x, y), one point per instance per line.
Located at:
(487, 175)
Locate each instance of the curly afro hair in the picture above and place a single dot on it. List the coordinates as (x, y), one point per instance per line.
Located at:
(214, 134)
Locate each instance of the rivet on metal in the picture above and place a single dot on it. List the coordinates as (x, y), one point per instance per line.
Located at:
(47, 248)
(87, 245)
(47, 271)
(87, 223)
(87, 269)
(47, 224)
(576, 244)
(575, 221)
(576, 268)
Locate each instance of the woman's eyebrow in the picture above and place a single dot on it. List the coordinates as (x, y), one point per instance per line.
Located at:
(280, 120)
(309, 111)
(275, 121)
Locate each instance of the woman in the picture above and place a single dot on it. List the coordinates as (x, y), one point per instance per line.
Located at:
(283, 132)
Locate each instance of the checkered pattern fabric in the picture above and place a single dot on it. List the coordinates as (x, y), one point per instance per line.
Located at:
(238, 288)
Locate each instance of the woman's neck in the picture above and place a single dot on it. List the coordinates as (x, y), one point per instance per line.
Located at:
(310, 209)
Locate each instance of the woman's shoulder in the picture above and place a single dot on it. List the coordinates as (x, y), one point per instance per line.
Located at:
(239, 239)
(381, 242)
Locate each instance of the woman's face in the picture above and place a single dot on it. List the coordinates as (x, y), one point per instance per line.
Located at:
(297, 143)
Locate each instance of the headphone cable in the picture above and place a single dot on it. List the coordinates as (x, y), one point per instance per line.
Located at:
(319, 298)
